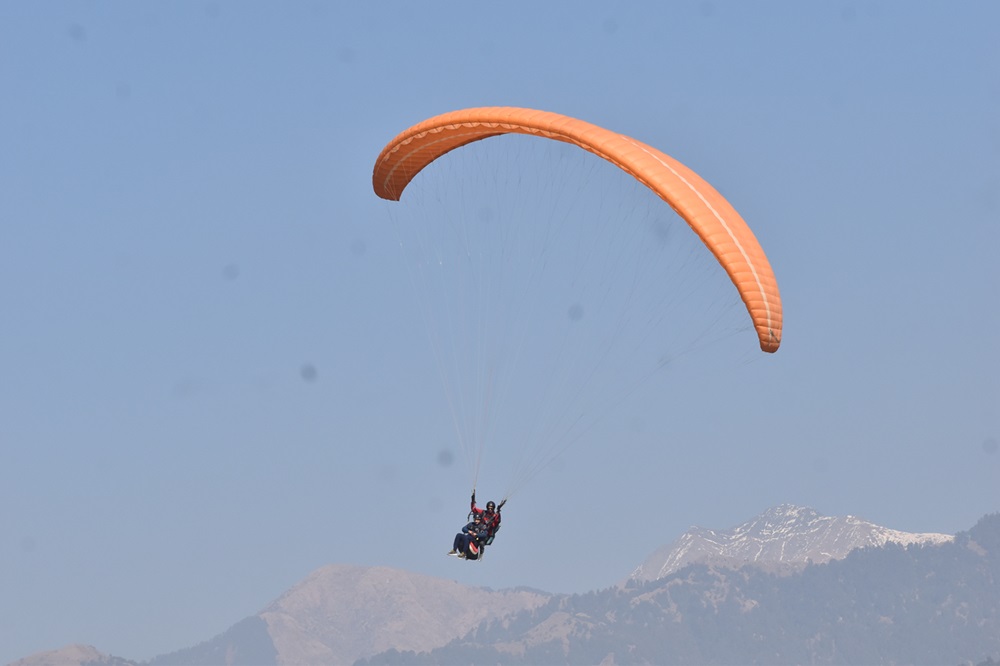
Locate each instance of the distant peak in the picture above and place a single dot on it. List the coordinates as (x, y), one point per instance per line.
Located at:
(69, 655)
(784, 536)
(790, 511)
(782, 517)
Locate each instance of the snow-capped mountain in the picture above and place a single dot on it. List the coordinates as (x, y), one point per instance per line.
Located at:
(783, 537)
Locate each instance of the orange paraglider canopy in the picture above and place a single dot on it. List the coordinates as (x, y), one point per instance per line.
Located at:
(715, 221)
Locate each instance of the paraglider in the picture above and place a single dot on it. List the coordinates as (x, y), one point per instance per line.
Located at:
(713, 219)
(471, 542)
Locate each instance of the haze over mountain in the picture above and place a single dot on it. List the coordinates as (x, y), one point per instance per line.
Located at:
(710, 597)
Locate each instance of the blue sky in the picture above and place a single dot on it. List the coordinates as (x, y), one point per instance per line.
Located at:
(212, 376)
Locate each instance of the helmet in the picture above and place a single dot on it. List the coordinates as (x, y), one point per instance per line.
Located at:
(490, 506)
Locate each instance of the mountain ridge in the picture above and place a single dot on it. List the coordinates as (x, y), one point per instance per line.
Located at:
(920, 603)
(399, 608)
(782, 538)
(345, 613)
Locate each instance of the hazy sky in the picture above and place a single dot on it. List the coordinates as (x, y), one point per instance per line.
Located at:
(212, 376)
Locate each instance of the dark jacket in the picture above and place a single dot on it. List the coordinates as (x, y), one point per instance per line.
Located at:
(479, 531)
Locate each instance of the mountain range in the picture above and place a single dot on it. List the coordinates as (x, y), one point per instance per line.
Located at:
(788, 586)
(785, 537)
